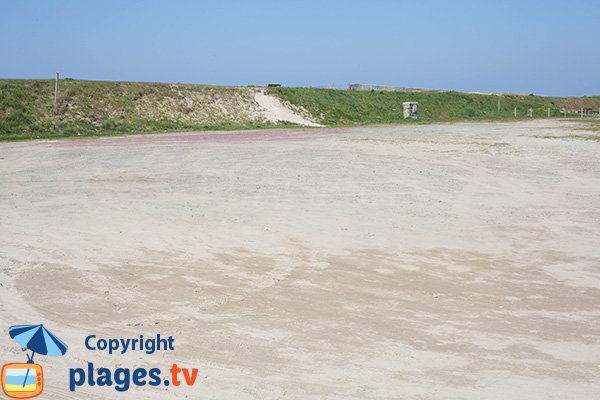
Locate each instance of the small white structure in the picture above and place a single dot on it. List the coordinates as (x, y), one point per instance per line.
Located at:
(411, 109)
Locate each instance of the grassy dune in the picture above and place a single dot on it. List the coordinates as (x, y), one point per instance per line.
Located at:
(93, 108)
(341, 108)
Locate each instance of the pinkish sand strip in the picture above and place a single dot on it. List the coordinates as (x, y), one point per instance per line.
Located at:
(197, 137)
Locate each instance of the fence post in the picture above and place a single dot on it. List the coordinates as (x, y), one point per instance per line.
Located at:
(581, 113)
(548, 112)
(498, 106)
(56, 90)
(515, 112)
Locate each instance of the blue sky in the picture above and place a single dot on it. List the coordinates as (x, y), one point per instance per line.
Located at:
(545, 47)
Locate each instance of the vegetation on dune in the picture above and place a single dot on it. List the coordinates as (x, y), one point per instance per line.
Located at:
(341, 107)
(94, 108)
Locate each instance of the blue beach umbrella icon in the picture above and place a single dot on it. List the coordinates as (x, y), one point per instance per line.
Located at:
(39, 340)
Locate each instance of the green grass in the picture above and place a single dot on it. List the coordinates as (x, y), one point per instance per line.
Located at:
(95, 108)
(342, 108)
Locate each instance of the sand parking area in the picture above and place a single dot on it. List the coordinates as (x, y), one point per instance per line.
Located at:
(456, 261)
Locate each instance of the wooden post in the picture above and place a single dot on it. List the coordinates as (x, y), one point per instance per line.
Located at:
(498, 106)
(515, 112)
(56, 90)
(548, 112)
(581, 113)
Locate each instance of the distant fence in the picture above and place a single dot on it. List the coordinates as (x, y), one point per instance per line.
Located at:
(582, 112)
(589, 113)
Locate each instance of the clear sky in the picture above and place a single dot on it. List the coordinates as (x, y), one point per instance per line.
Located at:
(526, 46)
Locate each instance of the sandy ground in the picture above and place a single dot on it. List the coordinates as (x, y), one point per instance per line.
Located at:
(417, 262)
(274, 110)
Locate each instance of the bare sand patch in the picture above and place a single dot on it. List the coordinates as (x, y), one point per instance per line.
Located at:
(274, 110)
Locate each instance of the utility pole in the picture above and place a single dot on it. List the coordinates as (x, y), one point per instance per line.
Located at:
(56, 90)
